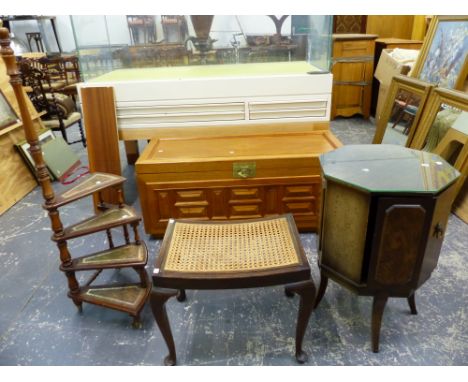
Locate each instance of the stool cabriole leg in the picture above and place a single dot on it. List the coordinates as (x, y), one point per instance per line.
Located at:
(412, 304)
(181, 296)
(322, 289)
(306, 291)
(158, 300)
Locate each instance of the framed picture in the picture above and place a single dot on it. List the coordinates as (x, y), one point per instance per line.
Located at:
(45, 135)
(443, 59)
(402, 110)
(443, 129)
(8, 116)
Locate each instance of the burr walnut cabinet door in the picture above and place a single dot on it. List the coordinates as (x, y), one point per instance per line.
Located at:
(400, 240)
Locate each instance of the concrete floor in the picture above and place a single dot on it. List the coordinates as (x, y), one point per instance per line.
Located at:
(39, 325)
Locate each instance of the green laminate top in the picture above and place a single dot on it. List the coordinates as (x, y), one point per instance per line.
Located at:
(207, 71)
(388, 168)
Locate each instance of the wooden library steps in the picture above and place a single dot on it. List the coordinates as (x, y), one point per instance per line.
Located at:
(129, 298)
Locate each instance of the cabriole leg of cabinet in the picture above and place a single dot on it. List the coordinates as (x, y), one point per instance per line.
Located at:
(378, 307)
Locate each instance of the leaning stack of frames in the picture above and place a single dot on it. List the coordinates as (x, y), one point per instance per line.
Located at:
(440, 83)
(129, 298)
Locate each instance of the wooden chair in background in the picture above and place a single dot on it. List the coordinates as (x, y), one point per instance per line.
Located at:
(60, 109)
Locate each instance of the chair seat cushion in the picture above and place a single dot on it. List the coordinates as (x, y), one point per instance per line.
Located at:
(54, 85)
(63, 101)
(54, 123)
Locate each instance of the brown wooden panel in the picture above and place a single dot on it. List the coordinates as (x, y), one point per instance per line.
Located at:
(400, 243)
(300, 207)
(272, 206)
(347, 100)
(189, 212)
(434, 241)
(350, 71)
(16, 180)
(352, 75)
(218, 204)
(344, 230)
(161, 205)
(299, 191)
(349, 24)
(190, 195)
(399, 26)
(460, 206)
(101, 133)
(353, 48)
(244, 193)
(245, 210)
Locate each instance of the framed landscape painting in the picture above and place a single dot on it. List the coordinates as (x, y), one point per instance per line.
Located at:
(443, 59)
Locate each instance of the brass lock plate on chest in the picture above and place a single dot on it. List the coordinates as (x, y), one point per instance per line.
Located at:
(244, 170)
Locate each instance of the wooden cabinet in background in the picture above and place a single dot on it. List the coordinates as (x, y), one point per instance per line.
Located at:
(232, 177)
(353, 70)
(380, 45)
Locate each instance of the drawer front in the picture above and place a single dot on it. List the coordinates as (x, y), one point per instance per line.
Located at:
(189, 212)
(245, 211)
(300, 207)
(300, 191)
(190, 195)
(245, 193)
(287, 109)
(229, 200)
(353, 48)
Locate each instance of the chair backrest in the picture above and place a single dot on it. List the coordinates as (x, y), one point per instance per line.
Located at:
(72, 69)
(54, 67)
(56, 105)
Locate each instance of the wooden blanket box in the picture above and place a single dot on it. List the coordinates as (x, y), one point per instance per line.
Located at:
(232, 177)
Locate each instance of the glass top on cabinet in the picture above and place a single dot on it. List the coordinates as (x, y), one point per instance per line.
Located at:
(109, 43)
(388, 168)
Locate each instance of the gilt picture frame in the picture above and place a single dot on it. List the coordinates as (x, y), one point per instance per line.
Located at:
(452, 142)
(443, 59)
(8, 115)
(397, 106)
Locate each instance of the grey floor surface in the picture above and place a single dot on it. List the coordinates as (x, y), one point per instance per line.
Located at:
(39, 325)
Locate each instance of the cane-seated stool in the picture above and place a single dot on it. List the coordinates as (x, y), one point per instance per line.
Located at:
(229, 255)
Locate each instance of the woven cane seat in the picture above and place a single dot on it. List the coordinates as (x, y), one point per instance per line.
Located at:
(238, 247)
(230, 249)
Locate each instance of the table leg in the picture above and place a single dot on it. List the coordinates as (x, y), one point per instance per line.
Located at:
(306, 291)
(158, 301)
(132, 151)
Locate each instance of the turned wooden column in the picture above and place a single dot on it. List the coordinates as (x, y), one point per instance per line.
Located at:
(36, 153)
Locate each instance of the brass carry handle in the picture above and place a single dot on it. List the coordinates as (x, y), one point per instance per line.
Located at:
(244, 170)
(243, 173)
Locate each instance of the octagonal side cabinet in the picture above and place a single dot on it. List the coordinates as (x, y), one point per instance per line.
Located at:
(383, 218)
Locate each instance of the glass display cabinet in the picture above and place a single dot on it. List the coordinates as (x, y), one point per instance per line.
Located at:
(107, 43)
(180, 71)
